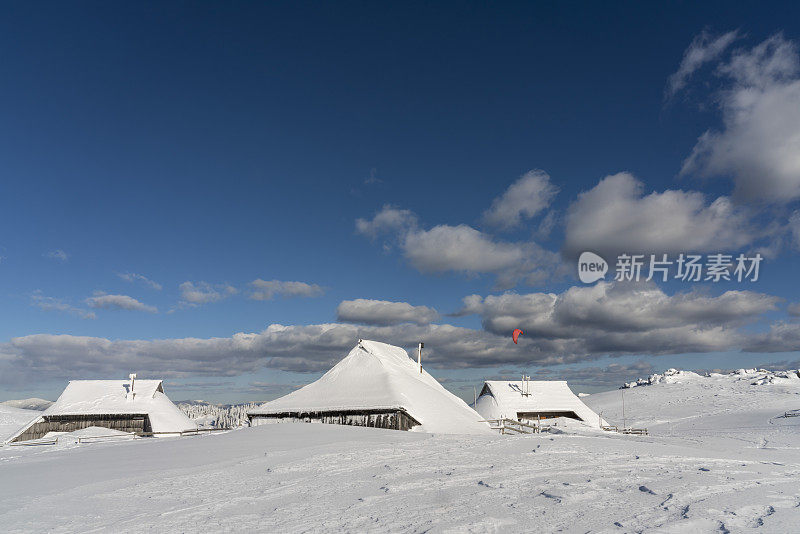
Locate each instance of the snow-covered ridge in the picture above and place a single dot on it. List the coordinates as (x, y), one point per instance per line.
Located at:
(29, 404)
(756, 377)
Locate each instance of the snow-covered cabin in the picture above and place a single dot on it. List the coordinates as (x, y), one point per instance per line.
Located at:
(530, 400)
(375, 385)
(132, 405)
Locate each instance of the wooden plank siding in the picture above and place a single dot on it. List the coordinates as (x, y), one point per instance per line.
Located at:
(67, 423)
(391, 419)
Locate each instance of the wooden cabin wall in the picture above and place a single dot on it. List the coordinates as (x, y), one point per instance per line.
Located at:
(393, 420)
(67, 423)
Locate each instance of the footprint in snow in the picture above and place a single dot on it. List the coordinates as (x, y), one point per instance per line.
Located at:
(645, 489)
(484, 484)
(551, 496)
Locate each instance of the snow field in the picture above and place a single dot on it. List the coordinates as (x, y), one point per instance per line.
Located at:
(720, 458)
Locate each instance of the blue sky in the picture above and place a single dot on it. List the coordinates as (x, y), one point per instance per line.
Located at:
(219, 145)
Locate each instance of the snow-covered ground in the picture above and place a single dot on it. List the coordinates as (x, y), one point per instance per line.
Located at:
(719, 459)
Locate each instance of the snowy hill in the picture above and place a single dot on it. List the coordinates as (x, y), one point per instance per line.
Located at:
(29, 404)
(687, 403)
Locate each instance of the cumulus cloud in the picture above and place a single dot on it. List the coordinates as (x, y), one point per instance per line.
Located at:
(133, 277)
(463, 249)
(703, 49)
(781, 337)
(389, 220)
(118, 302)
(524, 199)
(307, 348)
(618, 319)
(759, 143)
(268, 289)
(617, 216)
(57, 255)
(54, 304)
(384, 312)
(794, 309)
(197, 293)
(578, 325)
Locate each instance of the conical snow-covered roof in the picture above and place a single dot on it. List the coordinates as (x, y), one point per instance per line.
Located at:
(379, 376)
(504, 399)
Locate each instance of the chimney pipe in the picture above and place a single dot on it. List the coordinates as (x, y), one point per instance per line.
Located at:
(419, 355)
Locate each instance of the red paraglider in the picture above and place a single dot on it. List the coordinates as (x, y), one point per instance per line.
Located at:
(516, 334)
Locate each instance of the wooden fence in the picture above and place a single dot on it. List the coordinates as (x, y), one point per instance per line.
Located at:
(514, 427)
(637, 431)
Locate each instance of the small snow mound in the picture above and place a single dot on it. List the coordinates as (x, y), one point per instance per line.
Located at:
(775, 377)
(88, 432)
(98, 431)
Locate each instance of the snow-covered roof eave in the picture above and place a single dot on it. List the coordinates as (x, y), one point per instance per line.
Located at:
(328, 408)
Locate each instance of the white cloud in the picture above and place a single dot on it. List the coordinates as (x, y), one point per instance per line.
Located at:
(794, 309)
(309, 348)
(759, 143)
(384, 312)
(267, 289)
(524, 199)
(617, 216)
(53, 304)
(196, 293)
(58, 255)
(622, 319)
(703, 49)
(133, 277)
(781, 337)
(118, 302)
(459, 248)
(463, 249)
(578, 325)
(389, 220)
